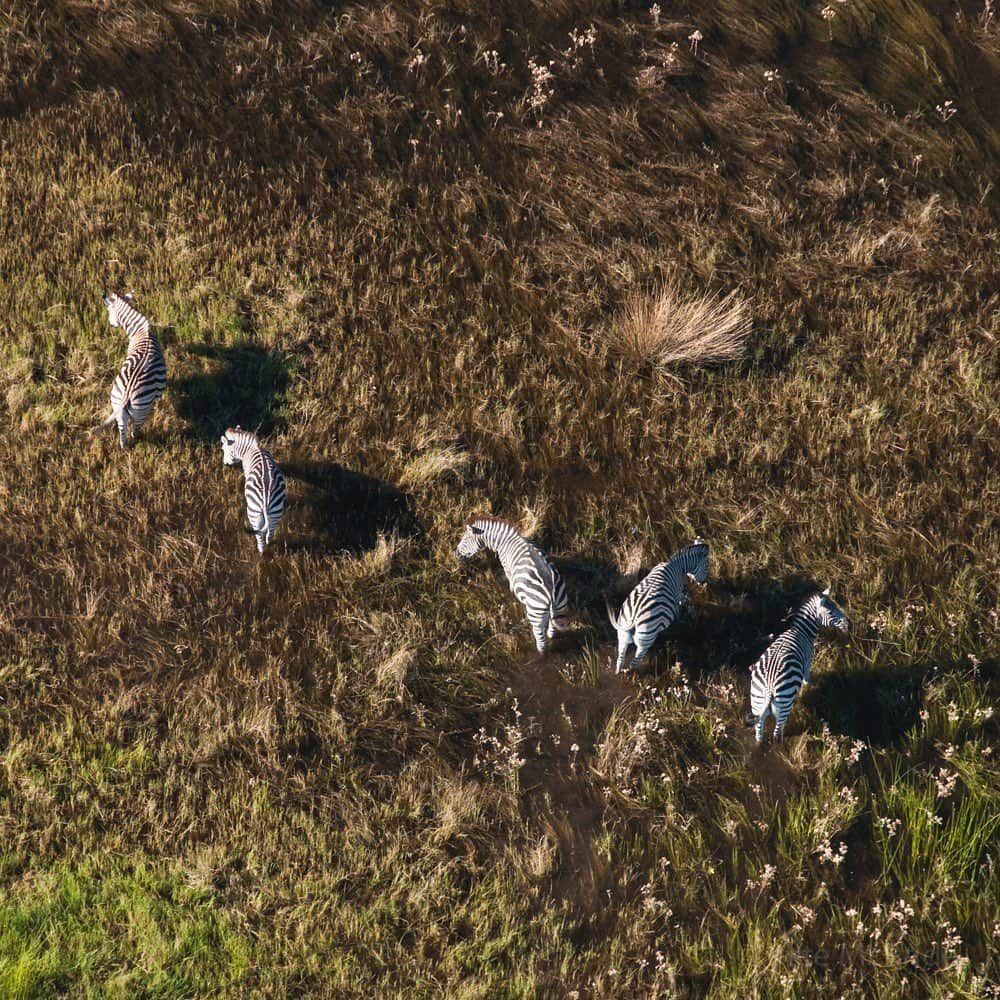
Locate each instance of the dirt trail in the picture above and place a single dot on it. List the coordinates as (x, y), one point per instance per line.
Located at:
(565, 719)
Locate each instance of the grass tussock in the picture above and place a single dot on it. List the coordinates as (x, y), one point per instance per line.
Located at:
(433, 463)
(667, 329)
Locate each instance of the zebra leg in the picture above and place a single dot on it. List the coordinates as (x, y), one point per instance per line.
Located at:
(539, 629)
(759, 728)
(644, 639)
(640, 654)
(623, 644)
(138, 419)
(122, 418)
(261, 541)
(540, 638)
(782, 711)
(779, 727)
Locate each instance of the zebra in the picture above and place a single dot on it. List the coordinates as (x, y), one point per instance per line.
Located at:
(783, 669)
(533, 579)
(142, 378)
(264, 487)
(653, 605)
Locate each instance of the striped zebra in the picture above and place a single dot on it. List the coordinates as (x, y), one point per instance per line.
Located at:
(533, 580)
(143, 377)
(264, 487)
(775, 679)
(653, 605)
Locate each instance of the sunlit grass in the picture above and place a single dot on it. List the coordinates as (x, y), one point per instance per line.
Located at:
(668, 328)
(409, 257)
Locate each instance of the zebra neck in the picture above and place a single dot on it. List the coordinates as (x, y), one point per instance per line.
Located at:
(494, 535)
(806, 623)
(248, 458)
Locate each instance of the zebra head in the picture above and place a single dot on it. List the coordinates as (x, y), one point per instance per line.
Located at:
(112, 302)
(829, 615)
(230, 442)
(471, 543)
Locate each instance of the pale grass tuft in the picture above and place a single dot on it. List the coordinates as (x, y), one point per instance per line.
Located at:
(203, 871)
(434, 463)
(379, 559)
(17, 372)
(461, 806)
(667, 328)
(540, 858)
(17, 398)
(533, 516)
(391, 673)
(631, 556)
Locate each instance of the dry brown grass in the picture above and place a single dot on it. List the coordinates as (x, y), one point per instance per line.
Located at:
(667, 328)
(230, 776)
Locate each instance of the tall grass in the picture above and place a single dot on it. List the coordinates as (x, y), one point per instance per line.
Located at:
(376, 232)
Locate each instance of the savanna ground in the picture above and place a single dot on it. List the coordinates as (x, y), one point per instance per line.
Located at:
(399, 238)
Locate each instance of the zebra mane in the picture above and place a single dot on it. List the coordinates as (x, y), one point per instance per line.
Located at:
(491, 520)
(812, 603)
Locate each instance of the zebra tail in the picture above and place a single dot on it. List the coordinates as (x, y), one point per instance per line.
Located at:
(104, 425)
(612, 617)
(561, 624)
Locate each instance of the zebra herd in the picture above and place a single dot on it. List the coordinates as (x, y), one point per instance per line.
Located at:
(775, 679)
(141, 382)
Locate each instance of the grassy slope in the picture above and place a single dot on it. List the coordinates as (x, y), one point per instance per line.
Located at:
(340, 770)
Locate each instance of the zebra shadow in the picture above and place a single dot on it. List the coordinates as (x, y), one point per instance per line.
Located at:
(586, 578)
(875, 704)
(732, 620)
(241, 383)
(724, 626)
(333, 509)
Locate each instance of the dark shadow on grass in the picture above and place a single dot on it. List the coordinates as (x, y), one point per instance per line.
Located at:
(586, 580)
(245, 384)
(730, 622)
(726, 625)
(875, 704)
(345, 511)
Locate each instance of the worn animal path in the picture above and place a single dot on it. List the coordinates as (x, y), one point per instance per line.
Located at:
(563, 719)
